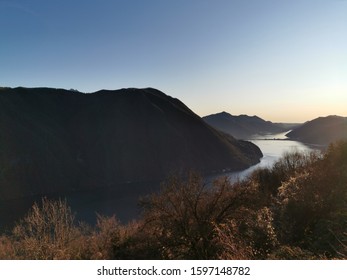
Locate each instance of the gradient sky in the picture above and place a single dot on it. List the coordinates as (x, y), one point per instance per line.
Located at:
(281, 60)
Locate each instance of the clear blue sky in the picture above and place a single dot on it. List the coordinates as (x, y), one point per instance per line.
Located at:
(281, 60)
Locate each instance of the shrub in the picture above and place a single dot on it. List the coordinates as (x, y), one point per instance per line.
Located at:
(183, 216)
(7, 250)
(100, 242)
(192, 220)
(46, 232)
(232, 247)
(49, 232)
(312, 205)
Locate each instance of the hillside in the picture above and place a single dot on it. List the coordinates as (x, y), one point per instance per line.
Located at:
(294, 210)
(322, 131)
(243, 126)
(54, 140)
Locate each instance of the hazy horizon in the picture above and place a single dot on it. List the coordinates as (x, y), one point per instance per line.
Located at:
(284, 61)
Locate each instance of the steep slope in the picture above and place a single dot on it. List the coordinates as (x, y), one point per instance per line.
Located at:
(55, 140)
(322, 130)
(243, 126)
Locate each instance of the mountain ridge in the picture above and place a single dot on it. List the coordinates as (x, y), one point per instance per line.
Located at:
(321, 130)
(242, 126)
(56, 140)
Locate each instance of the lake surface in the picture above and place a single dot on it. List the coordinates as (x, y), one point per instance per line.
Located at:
(123, 200)
(273, 146)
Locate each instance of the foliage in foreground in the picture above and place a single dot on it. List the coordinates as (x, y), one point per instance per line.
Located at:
(295, 210)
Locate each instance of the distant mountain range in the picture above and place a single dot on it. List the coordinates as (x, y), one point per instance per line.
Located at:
(55, 140)
(322, 130)
(243, 126)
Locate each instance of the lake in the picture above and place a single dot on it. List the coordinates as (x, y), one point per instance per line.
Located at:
(273, 146)
(123, 200)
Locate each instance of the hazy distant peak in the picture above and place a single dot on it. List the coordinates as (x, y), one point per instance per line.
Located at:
(230, 116)
(322, 130)
(242, 126)
(331, 117)
(226, 114)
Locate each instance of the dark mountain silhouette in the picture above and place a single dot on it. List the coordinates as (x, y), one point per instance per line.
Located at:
(243, 126)
(55, 140)
(322, 130)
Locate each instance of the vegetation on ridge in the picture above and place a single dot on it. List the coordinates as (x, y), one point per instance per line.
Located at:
(295, 210)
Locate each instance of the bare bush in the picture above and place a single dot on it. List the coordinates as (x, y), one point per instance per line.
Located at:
(232, 247)
(103, 240)
(7, 250)
(184, 214)
(193, 221)
(46, 232)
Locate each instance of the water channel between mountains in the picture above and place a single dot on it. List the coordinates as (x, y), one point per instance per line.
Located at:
(123, 201)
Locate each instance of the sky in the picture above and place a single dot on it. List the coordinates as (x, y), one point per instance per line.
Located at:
(285, 61)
